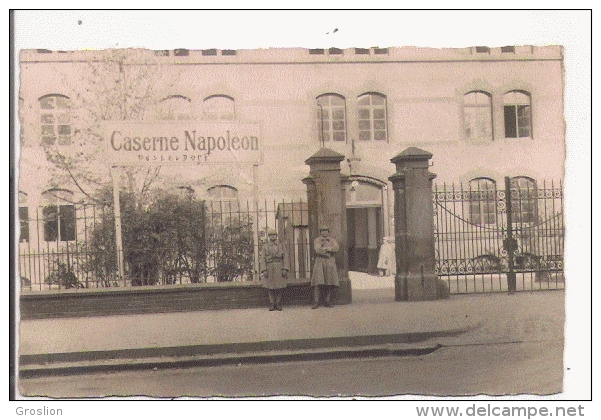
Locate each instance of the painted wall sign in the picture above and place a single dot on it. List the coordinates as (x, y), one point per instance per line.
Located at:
(197, 142)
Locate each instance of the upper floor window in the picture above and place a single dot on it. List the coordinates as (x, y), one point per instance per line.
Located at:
(175, 107)
(219, 107)
(331, 115)
(55, 121)
(518, 120)
(372, 117)
(523, 200)
(482, 201)
(59, 219)
(477, 115)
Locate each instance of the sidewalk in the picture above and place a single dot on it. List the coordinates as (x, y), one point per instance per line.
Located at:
(374, 322)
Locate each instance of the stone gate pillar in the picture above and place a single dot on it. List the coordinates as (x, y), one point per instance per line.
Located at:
(416, 278)
(326, 202)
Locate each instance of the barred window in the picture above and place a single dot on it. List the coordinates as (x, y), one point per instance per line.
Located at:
(483, 209)
(175, 107)
(55, 121)
(372, 117)
(331, 117)
(523, 200)
(477, 115)
(219, 107)
(517, 109)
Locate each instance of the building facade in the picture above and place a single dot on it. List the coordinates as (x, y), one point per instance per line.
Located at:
(484, 113)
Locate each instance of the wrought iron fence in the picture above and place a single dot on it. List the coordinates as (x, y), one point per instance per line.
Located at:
(480, 246)
(175, 240)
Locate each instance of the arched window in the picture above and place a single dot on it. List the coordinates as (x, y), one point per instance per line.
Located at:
(331, 117)
(55, 121)
(477, 115)
(223, 202)
(523, 200)
(59, 215)
(219, 107)
(518, 120)
(175, 107)
(372, 117)
(482, 192)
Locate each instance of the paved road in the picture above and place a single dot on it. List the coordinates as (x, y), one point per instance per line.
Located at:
(493, 369)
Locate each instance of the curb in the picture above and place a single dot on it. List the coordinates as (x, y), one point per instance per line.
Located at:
(155, 363)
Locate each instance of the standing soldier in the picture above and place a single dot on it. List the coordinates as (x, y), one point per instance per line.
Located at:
(325, 273)
(274, 263)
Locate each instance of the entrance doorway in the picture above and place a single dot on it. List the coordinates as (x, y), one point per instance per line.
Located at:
(364, 230)
(366, 218)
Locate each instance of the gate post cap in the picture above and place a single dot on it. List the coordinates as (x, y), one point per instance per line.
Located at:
(412, 153)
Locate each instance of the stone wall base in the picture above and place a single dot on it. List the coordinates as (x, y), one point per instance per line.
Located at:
(416, 287)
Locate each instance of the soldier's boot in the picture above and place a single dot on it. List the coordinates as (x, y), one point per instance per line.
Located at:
(329, 297)
(278, 299)
(272, 300)
(316, 294)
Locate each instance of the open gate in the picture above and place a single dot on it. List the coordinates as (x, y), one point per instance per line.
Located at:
(499, 240)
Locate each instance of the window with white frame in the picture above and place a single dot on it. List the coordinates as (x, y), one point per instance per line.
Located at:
(523, 200)
(219, 107)
(372, 117)
(482, 193)
(477, 115)
(55, 120)
(517, 111)
(331, 117)
(175, 107)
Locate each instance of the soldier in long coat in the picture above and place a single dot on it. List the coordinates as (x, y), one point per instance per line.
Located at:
(325, 273)
(274, 269)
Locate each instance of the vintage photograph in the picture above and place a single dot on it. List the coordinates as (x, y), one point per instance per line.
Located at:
(318, 221)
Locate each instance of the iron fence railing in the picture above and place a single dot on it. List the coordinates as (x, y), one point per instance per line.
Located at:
(480, 246)
(173, 241)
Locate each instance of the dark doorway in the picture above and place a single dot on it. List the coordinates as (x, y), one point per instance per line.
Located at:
(364, 230)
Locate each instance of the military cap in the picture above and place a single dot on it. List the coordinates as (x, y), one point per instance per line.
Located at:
(271, 232)
(324, 227)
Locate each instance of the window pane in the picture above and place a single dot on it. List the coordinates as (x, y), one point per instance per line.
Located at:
(24, 222)
(364, 125)
(338, 114)
(364, 114)
(510, 121)
(47, 130)
(377, 100)
(380, 124)
(47, 103)
(338, 125)
(379, 114)
(336, 100)
(48, 140)
(364, 100)
(523, 113)
(379, 135)
(50, 214)
(47, 119)
(67, 223)
(64, 130)
(62, 103)
(339, 136)
(364, 135)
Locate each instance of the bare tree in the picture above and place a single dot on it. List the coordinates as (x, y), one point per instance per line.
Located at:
(112, 85)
